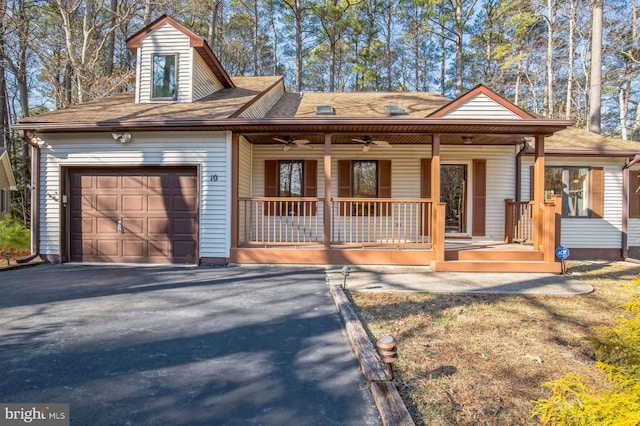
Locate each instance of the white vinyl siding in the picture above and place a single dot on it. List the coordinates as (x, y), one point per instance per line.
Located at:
(605, 233)
(481, 106)
(405, 172)
(204, 82)
(165, 40)
(209, 151)
(260, 108)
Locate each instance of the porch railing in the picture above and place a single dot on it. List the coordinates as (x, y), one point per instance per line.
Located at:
(354, 221)
(381, 222)
(280, 220)
(518, 221)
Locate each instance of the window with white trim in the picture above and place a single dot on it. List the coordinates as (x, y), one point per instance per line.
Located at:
(164, 77)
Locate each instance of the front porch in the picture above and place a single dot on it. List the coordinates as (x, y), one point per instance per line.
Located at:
(410, 232)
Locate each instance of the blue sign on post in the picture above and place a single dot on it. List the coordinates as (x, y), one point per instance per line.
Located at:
(562, 253)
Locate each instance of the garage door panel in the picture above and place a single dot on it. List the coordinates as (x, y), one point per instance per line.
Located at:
(183, 251)
(133, 182)
(159, 203)
(186, 183)
(107, 203)
(131, 248)
(185, 203)
(157, 206)
(159, 249)
(132, 203)
(108, 247)
(133, 225)
(107, 182)
(184, 226)
(158, 226)
(106, 225)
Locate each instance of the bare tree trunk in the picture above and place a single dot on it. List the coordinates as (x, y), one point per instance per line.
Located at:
(595, 91)
(255, 39)
(443, 63)
(635, 135)
(459, 39)
(4, 106)
(623, 114)
(110, 46)
(551, 20)
(572, 43)
(148, 11)
(274, 37)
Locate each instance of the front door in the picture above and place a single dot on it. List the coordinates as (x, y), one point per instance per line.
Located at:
(453, 189)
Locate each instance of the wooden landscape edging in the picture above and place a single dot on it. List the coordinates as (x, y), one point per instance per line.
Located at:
(392, 409)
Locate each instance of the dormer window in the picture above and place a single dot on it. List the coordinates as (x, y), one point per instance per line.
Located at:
(164, 77)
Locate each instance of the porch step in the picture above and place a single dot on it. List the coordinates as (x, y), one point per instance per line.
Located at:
(494, 255)
(495, 266)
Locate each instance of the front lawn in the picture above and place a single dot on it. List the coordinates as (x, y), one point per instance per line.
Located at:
(482, 360)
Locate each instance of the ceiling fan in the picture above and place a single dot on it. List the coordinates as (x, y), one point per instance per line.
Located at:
(293, 143)
(368, 142)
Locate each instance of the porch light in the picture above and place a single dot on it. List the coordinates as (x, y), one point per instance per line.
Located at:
(467, 140)
(121, 137)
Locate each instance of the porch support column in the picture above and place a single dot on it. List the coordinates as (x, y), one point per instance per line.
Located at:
(235, 178)
(435, 168)
(538, 193)
(438, 210)
(326, 217)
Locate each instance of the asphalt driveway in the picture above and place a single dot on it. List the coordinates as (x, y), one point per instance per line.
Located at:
(166, 345)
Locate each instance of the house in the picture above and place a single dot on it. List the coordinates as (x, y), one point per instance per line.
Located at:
(197, 167)
(7, 182)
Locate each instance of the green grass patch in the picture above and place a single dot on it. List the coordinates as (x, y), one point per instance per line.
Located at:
(13, 236)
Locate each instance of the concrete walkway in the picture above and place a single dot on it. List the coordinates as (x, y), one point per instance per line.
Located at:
(422, 279)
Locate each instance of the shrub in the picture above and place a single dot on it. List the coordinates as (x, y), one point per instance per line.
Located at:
(616, 401)
(13, 236)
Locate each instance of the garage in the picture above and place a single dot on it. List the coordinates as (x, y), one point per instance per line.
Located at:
(133, 215)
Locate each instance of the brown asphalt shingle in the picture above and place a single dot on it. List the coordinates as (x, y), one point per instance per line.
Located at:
(122, 107)
(357, 104)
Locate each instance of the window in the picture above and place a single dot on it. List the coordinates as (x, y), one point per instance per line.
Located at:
(364, 179)
(395, 110)
(4, 201)
(325, 110)
(575, 186)
(291, 178)
(164, 77)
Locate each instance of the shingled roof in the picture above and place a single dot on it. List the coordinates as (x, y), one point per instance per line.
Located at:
(575, 141)
(357, 104)
(122, 108)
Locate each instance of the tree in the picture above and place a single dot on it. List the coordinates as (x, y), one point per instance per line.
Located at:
(595, 91)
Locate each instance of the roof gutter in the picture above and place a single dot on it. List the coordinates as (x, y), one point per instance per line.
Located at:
(313, 125)
(625, 203)
(35, 195)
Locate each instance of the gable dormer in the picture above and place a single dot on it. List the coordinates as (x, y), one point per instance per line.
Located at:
(174, 64)
(481, 103)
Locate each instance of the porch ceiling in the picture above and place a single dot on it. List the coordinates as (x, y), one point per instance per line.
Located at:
(393, 139)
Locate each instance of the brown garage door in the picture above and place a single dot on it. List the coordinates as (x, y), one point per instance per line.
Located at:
(133, 215)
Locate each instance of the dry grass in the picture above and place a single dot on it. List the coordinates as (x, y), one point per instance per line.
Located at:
(481, 360)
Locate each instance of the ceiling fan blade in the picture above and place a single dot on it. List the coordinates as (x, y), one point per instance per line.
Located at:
(366, 148)
(287, 147)
(359, 140)
(281, 140)
(301, 142)
(382, 144)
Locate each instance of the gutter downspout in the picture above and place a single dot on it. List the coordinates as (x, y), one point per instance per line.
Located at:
(525, 147)
(625, 204)
(35, 196)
